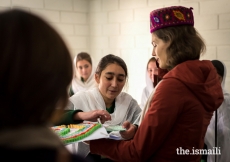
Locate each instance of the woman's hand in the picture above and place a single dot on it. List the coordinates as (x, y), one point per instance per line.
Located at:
(93, 116)
(130, 130)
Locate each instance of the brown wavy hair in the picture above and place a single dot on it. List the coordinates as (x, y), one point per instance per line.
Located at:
(185, 44)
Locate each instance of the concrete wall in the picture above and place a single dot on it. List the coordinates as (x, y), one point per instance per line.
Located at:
(121, 27)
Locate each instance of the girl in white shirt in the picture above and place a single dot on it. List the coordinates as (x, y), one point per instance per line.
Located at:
(83, 73)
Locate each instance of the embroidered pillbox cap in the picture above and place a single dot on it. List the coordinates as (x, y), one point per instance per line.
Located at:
(170, 16)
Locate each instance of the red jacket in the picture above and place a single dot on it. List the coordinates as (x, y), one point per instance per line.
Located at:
(177, 119)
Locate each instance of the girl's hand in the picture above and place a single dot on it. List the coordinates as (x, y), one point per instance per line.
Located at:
(93, 116)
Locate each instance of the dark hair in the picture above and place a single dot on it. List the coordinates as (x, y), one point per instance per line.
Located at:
(219, 67)
(83, 56)
(111, 59)
(185, 44)
(35, 69)
(152, 59)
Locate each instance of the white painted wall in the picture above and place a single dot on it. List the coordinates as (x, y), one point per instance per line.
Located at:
(68, 17)
(121, 27)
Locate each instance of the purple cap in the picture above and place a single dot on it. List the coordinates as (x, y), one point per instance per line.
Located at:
(170, 16)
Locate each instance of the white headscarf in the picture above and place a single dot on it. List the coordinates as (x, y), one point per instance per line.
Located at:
(77, 84)
(126, 109)
(147, 90)
(223, 128)
(147, 104)
(92, 100)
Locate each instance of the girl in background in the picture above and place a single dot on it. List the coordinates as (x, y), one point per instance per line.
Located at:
(84, 71)
(151, 72)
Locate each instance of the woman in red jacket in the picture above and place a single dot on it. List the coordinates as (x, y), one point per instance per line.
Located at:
(174, 126)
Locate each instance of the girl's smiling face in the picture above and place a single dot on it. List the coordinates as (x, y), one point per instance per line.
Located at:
(160, 51)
